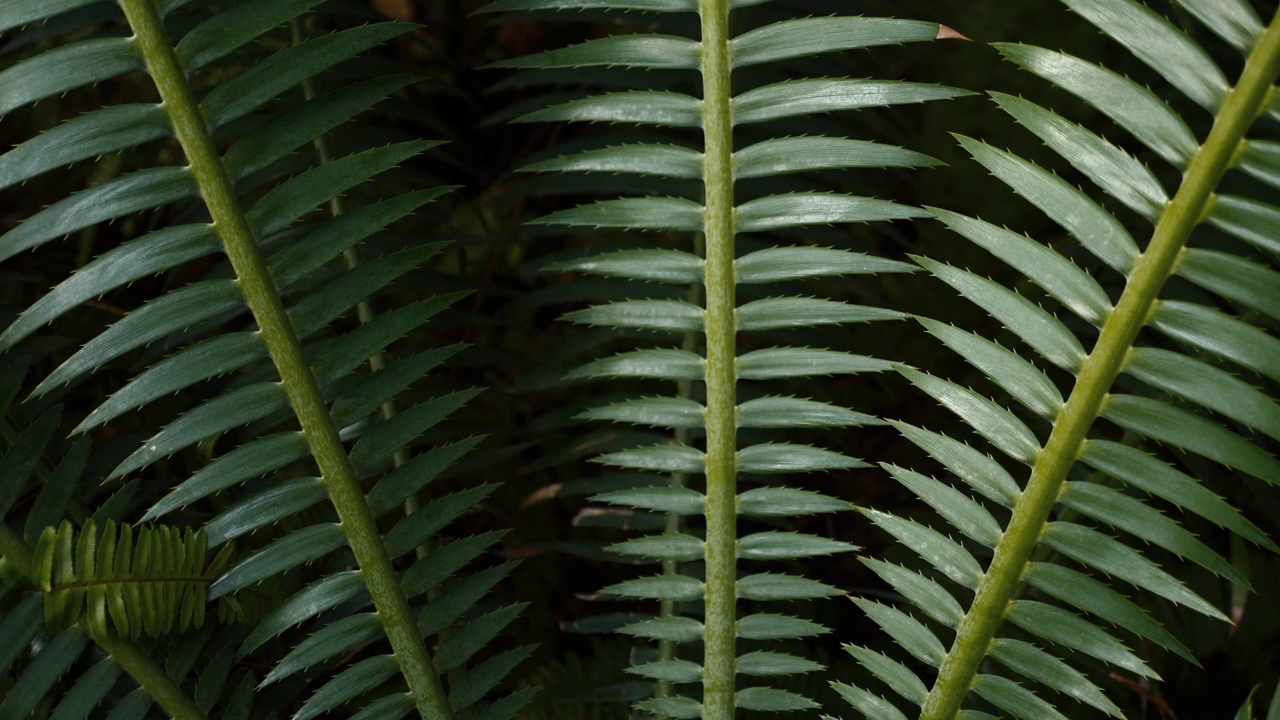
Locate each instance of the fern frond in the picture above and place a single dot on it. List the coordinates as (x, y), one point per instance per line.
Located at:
(707, 411)
(1062, 522)
(294, 384)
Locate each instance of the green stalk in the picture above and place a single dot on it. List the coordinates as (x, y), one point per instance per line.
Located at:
(720, 634)
(285, 350)
(1098, 373)
(154, 681)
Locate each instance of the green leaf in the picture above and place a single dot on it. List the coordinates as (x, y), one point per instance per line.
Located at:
(763, 626)
(140, 190)
(784, 412)
(785, 545)
(674, 671)
(638, 107)
(787, 502)
(682, 708)
(1013, 698)
(665, 315)
(1138, 519)
(979, 471)
(1160, 45)
(993, 422)
(383, 440)
(251, 460)
(22, 456)
(1077, 589)
(801, 208)
(284, 69)
(765, 664)
(668, 266)
(477, 683)
(793, 263)
(351, 682)
(679, 500)
(277, 137)
(1247, 219)
(228, 410)
(1037, 327)
(639, 50)
(1168, 424)
(1069, 630)
(396, 486)
(937, 549)
(1059, 277)
(418, 527)
(440, 564)
(671, 627)
(771, 586)
(321, 595)
(224, 32)
(369, 393)
(966, 515)
(462, 645)
(56, 71)
(16, 13)
(637, 5)
(340, 636)
(811, 96)
(1206, 385)
(166, 314)
(301, 546)
(811, 36)
(774, 458)
(897, 676)
(54, 659)
(906, 631)
(771, 700)
(210, 358)
(1117, 172)
(1095, 228)
(780, 156)
(51, 502)
(1130, 105)
(676, 588)
(1150, 475)
(873, 707)
(88, 691)
(664, 364)
(1234, 277)
(668, 546)
(791, 312)
(648, 213)
(1022, 380)
(1220, 334)
(1093, 549)
(1038, 665)
(95, 133)
(644, 159)
(656, 412)
(920, 591)
(777, 363)
(265, 508)
(1231, 20)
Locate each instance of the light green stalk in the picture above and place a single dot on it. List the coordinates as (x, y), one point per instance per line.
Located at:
(1098, 373)
(720, 634)
(285, 350)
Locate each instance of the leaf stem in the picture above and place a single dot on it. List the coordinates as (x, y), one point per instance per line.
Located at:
(1097, 374)
(720, 633)
(282, 343)
(154, 680)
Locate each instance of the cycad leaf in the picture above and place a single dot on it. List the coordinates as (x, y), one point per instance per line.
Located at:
(798, 209)
(1118, 173)
(668, 266)
(226, 31)
(355, 680)
(640, 50)
(652, 213)
(995, 423)
(1067, 629)
(802, 154)
(822, 95)
(1037, 327)
(792, 263)
(900, 679)
(1013, 698)
(1093, 549)
(639, 107)
(945, 554)
(66, 68)
(908, 632)
(1161, 46)
(290, 551)
(1133, 107)
(649, 159)
(810, 36)
(1206, 385)
(1022, 380)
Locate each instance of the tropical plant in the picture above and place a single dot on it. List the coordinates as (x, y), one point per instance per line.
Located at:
(253, 432)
